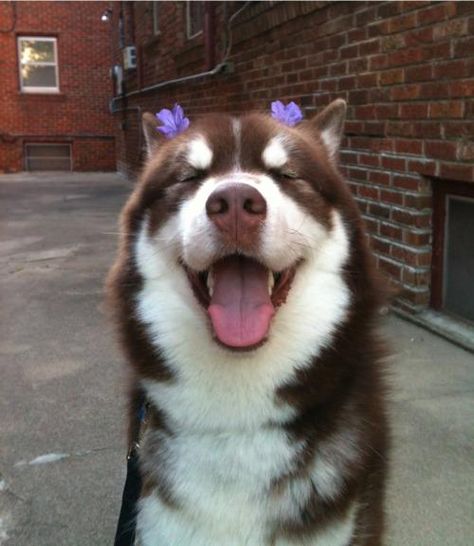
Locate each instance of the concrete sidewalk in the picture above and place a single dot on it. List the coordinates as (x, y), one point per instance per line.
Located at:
(61, 405)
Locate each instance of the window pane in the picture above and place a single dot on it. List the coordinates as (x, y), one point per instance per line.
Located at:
(156, 17)
(48, 157)
(47, 150)
(36, 51)
(459, 287)
(38, 76)
(196, 17)
(48, 164)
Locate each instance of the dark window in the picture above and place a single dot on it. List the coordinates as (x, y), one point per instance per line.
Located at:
(48, 157)
(194, 18)
(459, 257)
(453, 253)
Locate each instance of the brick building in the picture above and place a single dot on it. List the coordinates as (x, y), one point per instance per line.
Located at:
(55, 86)
(406, 70)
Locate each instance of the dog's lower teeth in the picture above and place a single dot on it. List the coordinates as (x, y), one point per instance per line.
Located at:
(271, 282)
(210, 283)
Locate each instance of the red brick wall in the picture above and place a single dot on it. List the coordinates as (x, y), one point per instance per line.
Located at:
(405, 68)
(79, 114)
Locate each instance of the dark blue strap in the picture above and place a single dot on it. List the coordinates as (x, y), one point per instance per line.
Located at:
(125, 535)
(126, 526)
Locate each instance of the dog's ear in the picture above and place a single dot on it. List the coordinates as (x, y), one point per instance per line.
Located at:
(153, 137)
(329, 124)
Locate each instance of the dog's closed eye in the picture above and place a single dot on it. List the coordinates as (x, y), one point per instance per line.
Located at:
(284, 174)
(193, 175)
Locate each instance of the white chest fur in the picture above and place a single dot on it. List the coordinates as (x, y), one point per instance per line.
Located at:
(222, 482)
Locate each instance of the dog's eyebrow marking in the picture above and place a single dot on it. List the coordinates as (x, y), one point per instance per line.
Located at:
(199, 154)
(236, 129)
(275, 155)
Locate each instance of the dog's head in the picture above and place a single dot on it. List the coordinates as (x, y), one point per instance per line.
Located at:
(236, 222)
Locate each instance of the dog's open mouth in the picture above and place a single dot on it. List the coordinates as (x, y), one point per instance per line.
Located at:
(241, 296)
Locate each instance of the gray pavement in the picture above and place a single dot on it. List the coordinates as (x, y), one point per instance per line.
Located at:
(62, 379)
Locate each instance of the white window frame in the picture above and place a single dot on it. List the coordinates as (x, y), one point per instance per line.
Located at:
(156, 18)
(189, 36)
(29, 88)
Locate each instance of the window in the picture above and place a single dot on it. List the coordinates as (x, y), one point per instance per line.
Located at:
(194, 18)
(156, 18)
(48, 157)
(38, 60)
(453, 258)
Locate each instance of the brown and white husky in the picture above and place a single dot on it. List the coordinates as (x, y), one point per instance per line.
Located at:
(245, 298)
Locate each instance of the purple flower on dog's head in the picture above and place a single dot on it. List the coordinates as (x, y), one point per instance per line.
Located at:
(289, 115)
(173, 121)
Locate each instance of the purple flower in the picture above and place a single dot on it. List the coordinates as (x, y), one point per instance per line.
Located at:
(173, 121)
(289, 115)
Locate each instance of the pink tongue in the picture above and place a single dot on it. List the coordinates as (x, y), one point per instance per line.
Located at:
(240, 308)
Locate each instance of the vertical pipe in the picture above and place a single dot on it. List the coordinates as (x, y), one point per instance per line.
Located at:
(209, 34)
(131, 12)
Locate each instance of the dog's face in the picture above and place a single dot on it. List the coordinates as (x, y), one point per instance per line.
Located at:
(236, 207)
(238, 233)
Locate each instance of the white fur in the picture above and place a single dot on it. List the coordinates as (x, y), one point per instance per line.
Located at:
(335, 455)
(199, 154)
(224, 452)
(275, 156)
(236, 131)
(220, 481)
(331, 140)
(337, 534)
(330, 463)
(157, 524)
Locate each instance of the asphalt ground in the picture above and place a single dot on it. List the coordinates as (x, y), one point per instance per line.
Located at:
(62, 432)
